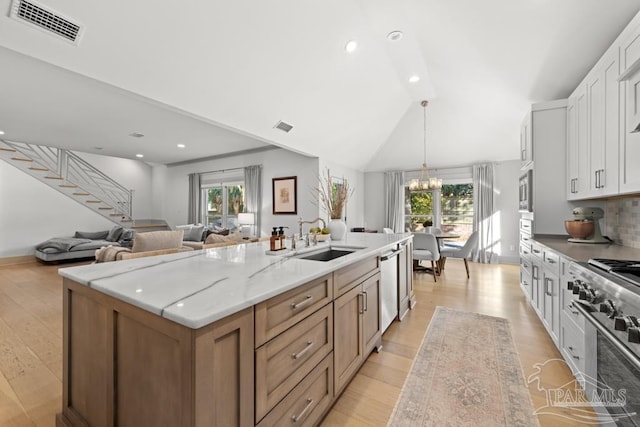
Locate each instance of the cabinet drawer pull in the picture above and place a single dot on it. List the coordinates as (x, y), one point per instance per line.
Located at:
(302, 303)
(303, 351)
(546, 286)
(366, 300)
(550, 261)
(535, 251)
(296, 418)
(570, 307)
(573, 355)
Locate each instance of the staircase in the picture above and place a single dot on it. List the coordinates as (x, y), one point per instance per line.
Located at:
(72, 176)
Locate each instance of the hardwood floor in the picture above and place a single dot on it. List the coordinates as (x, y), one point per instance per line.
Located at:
(493, 290)
(31, 342)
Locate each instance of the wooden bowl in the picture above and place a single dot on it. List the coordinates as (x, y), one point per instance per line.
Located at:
(579, 229)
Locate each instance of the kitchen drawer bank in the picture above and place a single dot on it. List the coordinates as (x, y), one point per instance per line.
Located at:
(287, 357)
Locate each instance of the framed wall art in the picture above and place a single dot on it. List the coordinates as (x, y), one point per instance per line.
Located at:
(285, 195)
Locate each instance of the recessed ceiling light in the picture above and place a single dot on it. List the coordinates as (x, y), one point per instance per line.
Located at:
(139, 156)
(136, 134)
(414, 79)
(351, 46)
(1, 132)
(394, 36)
(181, 145)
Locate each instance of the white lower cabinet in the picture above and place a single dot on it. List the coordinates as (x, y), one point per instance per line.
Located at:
(543, 277)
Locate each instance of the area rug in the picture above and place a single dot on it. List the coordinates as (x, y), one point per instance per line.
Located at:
(466, 373)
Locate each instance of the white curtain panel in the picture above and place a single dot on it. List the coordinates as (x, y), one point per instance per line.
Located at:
(194, 213)
(483, 178)
(394, 201)
(253, 193)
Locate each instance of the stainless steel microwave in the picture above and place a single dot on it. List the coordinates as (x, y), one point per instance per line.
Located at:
(525, 193)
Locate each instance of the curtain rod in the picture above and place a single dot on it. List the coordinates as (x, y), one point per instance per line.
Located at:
(227, 170)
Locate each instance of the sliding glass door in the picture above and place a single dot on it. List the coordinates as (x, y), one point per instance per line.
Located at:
(224, 201)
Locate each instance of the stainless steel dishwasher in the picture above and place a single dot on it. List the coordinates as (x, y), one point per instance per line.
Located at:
(389, 285)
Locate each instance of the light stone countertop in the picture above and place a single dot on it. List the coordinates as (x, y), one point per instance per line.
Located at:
(582, 252)
(197, 288)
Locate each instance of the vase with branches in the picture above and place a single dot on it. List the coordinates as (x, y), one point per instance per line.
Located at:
(333, 196)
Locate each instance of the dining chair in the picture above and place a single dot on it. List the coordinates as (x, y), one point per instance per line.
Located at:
(462, 252)
(425, 248)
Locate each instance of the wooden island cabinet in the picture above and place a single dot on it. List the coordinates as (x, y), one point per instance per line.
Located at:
(126, 366)
(283, 360)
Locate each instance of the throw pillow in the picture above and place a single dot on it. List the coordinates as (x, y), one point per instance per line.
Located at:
(115, 233)
(216, 238)
(156, 240)
(92, 235)
(236, 237)
(193, 233)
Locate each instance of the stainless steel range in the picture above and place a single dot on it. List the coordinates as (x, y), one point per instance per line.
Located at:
(607, 293)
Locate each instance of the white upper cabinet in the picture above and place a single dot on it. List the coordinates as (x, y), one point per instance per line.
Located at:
(604, 126)
(629, 154)
(526, 142)
(602, 153)
(572, 149)
(630, 141)
(548, 124)
(578, 144)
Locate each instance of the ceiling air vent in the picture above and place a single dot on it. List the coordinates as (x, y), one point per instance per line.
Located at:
(46, 19)
(285, 127)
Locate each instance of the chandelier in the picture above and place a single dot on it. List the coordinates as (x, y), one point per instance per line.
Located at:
(424, 182)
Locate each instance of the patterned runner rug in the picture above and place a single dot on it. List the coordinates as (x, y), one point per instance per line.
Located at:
(466, 373)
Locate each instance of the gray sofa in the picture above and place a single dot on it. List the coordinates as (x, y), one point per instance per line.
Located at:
(82, 244)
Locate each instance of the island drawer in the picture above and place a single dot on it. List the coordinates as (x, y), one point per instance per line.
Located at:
(279, 313)
(285, 360)
(308, 401)
(345, 278)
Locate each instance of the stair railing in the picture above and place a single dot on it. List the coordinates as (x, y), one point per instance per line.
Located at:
(79, 172)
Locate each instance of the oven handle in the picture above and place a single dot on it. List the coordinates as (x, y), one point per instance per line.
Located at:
(632, 358)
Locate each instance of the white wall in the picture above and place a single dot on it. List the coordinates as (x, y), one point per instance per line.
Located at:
(355, 205)
(506, 207)
(32, 212)
(374, 200)
(131, 174)
(275, 163)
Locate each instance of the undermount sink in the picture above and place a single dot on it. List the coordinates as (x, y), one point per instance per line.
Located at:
(326, 254)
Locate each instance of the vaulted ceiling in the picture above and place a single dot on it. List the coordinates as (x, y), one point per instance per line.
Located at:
(217, 76)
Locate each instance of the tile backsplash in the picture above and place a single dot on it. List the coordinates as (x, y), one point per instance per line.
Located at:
(623, 221)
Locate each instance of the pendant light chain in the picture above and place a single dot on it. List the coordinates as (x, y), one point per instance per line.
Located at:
(424, 181)
(424, 110)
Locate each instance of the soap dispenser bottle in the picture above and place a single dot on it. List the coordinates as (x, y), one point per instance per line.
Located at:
(274, 241)
(282, 237)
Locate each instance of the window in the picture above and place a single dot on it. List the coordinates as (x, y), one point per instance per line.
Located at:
(457, 209)
(418, 208)
(223, 197)
(450, 209)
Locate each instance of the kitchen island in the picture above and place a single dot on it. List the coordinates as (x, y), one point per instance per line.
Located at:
(226, 336)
